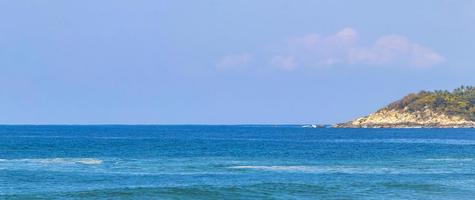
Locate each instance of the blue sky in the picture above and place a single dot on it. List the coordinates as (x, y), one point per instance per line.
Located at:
(225, 62)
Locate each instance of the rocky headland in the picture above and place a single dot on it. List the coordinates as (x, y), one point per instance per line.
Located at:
(437, 109)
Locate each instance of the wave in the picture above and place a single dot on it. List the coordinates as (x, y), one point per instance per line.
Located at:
(187, 191)
(450, 159)
(48, 161)
(90, 161)
(395, 140)
(275, 168)
(345, 169)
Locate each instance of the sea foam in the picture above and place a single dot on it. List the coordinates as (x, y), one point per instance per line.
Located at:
(52, 161)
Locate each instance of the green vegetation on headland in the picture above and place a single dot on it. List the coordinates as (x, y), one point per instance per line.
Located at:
(437, 109)
(459, 102)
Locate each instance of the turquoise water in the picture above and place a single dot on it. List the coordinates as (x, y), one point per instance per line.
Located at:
(235, 162)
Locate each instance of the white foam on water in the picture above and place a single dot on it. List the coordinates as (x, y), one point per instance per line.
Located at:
(54, 161)
(90, 161)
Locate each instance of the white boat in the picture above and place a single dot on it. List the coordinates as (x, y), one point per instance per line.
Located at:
(313, 126)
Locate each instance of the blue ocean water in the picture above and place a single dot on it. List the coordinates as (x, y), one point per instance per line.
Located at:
(235, 162)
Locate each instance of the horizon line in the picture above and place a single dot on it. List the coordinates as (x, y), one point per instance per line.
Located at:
(151, 124)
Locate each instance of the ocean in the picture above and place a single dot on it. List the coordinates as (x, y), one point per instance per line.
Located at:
(235, 162)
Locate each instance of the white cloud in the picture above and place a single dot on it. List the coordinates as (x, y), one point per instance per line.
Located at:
(342, 48)
(394, 48)
(234, 61)
(423, 56)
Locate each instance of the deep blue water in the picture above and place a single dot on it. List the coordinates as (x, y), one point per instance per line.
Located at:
(235, 162)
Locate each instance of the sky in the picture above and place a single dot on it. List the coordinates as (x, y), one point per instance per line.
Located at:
(226, 62)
